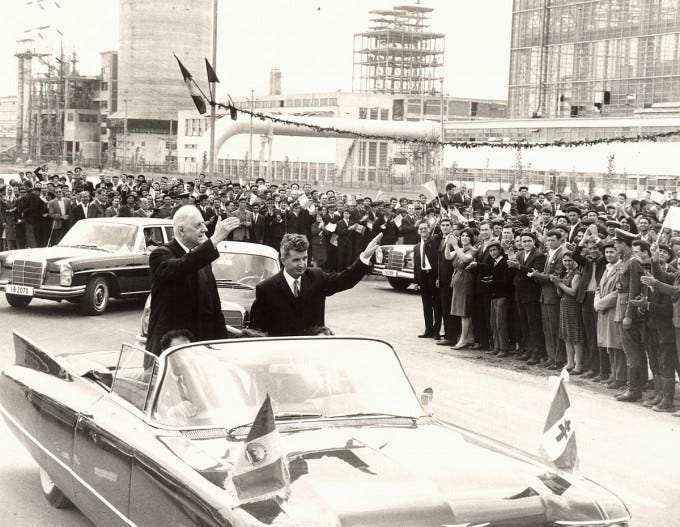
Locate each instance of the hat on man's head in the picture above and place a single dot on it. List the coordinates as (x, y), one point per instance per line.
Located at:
(613, 223)
(625, 236)
(573, 208)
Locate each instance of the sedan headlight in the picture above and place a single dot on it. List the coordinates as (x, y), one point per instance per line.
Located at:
(65, 274)
(379, 256)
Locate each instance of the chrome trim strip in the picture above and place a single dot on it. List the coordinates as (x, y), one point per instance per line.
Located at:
(119, 268)
(66, 467)
(145, 291)
(593, 523)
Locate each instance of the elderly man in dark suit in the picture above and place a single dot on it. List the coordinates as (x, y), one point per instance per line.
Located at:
(183, 289)
(293, 301)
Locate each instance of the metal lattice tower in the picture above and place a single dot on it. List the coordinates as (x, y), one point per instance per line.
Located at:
(399, 54)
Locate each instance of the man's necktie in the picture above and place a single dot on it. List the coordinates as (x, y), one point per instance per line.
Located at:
(296, 288)
(422, 257)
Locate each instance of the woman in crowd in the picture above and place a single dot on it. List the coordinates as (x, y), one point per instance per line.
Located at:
(461, 252)
(571, 328)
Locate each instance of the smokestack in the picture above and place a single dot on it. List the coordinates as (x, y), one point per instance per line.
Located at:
(275, 82)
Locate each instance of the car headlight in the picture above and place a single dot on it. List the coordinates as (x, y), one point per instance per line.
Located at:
(379, 256)
(65, 274)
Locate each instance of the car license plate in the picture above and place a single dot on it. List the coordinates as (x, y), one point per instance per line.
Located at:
(23, 290)
(389, 272)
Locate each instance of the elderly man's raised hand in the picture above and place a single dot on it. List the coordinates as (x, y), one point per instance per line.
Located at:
(223, 228)
(373, 246)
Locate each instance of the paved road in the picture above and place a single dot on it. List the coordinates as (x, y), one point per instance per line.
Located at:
(628, 448)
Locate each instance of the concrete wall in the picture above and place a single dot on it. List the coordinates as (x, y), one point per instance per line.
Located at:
(150, 31)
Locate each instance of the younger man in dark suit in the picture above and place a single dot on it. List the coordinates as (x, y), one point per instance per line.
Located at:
(293, 301)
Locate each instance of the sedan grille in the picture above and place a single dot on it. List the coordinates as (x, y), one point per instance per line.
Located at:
(233, 318)
(395, 261)
(28, 273)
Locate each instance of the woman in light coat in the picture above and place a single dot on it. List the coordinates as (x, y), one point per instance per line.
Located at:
(608, 331)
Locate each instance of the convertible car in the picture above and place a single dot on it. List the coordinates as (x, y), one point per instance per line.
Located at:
(133, 439)
(98, 259)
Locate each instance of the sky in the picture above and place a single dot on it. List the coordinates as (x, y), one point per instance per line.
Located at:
(310, 41)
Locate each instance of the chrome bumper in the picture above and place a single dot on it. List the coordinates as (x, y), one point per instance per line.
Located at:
(53, 292)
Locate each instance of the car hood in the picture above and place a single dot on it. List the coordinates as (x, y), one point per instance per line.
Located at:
(52, 255)
(427, 475)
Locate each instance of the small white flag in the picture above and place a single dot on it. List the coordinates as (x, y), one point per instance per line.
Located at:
(431, 190)
(506, 208)
(559, 439)
(672, 220)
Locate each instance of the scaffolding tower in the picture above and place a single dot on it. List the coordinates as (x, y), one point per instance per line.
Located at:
(399, 54)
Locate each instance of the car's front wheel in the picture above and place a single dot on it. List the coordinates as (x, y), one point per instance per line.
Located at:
(96, 297)
(399, 283)
(55, 496)
(18, 300)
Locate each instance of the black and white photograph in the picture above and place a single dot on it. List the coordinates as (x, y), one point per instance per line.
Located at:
(331, 263)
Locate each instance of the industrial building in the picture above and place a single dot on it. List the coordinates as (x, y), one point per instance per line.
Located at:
(356, 161)
(593, 58)
(150, 89)
(8, 124)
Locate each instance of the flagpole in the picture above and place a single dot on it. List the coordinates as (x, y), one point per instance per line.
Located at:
(213, 94)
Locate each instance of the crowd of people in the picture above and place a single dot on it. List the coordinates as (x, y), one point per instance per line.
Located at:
(587, 283)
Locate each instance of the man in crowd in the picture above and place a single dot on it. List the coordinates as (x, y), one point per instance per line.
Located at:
(426, 268)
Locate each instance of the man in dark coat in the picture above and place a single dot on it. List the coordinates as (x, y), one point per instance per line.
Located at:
(293, 301)
(183, 289)
(425, 267)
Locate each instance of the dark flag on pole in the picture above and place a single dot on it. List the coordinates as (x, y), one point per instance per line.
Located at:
(212, 76)
(193, 91)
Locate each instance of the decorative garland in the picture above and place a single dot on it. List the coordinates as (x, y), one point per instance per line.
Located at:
(457, 144)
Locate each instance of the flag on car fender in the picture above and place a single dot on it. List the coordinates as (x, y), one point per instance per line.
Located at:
(559, 438)
(260, 470)
(431, 190)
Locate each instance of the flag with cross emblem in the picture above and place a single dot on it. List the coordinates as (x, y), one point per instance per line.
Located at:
(559, 439)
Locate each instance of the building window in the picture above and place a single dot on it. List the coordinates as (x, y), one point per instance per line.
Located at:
(87, 118)
(70, 117)
(384, 114)
(362, 113)
(372, 153)
(104, 86)
(374, 114)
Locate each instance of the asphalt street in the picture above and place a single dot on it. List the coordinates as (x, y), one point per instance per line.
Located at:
(625, 447)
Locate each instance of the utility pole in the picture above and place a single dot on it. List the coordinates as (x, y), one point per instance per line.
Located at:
(211, 167)
(250, 148)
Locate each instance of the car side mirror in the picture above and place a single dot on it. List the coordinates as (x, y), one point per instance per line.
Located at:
(426, 400)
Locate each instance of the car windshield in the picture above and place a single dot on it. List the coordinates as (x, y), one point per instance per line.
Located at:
(246, 269)
(223, 385)
(106, 236)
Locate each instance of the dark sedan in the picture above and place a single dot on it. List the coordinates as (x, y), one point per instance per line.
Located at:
(97, 260)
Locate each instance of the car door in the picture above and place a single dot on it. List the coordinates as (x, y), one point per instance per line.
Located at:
(44, 401)
(104, 438)
(141, 277)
